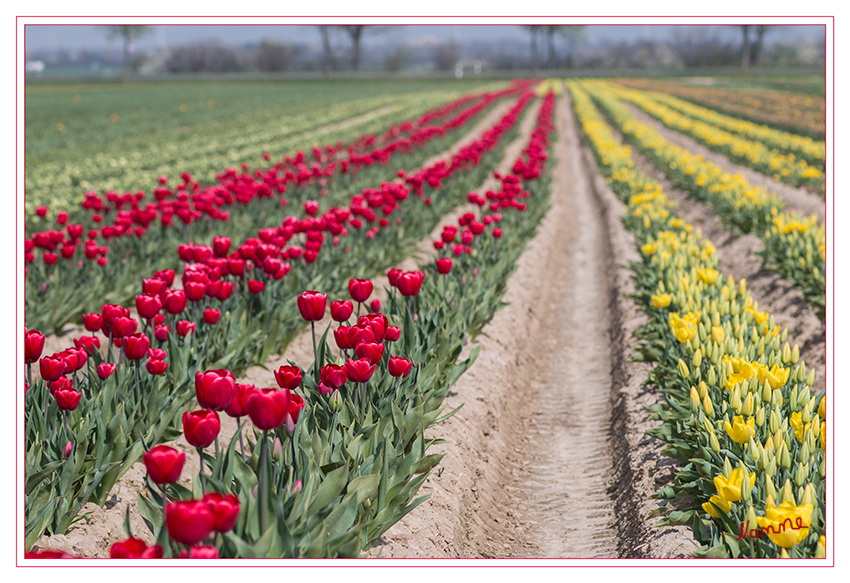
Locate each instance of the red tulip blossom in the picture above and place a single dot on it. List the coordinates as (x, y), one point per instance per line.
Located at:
(164, 464)
(372, 351)
(375, 306)
(33, 345)
(342, 336)
(185, 327)
(121, 327)
(255, 287)
(225, 291)
(377, 322)
(341, 311)
(393, 334)
(225, 510)
(67, 399)
(392, 275)
(134, 548)
(311, 207)
(136, 346)
(296, 403)
(288, 377)
(360, 289)
(201, 427)
(221, 246)
(195, 291)
(359, 371)
(148, 306)
(51, 367)
(91, 344)
(105, 370)
(334, 376)
(161, 333)
(92, 322)
(41, 211)
(61, 384)
(215, 388)
(190, 521)
(267, 408)
(312, 305)
(48, 554)
(207, 552)
(211, 316)
(444, 265)
(174, 301)
(400, 367)
(237, 406)
(153, 285)
(410, 282)
(156, 366)
(497, 233)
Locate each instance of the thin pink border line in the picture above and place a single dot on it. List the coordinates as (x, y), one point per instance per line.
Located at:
(684, 562)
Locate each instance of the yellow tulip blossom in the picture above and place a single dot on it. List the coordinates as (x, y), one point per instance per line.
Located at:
(823, 436)
(786, 524)
(707, 276)
(717, 334)
(799, 427)
(661, 301)
(719, 502)
(650, 248)
(741, 431)
(822, 409)
(730, 488)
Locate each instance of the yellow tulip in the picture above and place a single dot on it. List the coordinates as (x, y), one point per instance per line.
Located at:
(741, 431)
(720, 503)
(650, 248)
(717, 334)
(786, 524)
(661, 301)
(707, 276)
(822, 409)
(730, 488)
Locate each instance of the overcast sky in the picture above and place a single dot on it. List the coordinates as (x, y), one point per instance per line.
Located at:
(41, 37)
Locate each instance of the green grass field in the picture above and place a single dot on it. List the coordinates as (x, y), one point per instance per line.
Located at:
(112, 136)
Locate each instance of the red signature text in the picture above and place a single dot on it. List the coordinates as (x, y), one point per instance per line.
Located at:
(747, 532)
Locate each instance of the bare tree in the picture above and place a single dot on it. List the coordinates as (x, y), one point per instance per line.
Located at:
(534, 30)
(355, 31)
(127, 33)
(327, 55)
(273, 56)
(760, 32)
(745, 50)
(573, 34)
(446, 55)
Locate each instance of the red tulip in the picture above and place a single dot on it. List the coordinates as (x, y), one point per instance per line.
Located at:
(400, 367)
(134, 548)
(174, 301)
(359, 371)
(392, 275)
(48, 554)
(312, 305)
(201, 427)
(92, 322)
(164, 464)
(370, 350)
(91, 344)
(288, 377)
(377, 322)
(61, 384)
(225, 291)
(360, 289)
(105, 370)
(410, 282)
(195, 290)
(156, 354)
(237, 406)
(161, 333)
(189, 522)
(497, 233)
(199, 553)
(211, 316)
(375, 306)
(267, 408)
(255, 287)
(67, 399)
(122, 327)
(185, 327)
(334, 376)
(221, 246)
(444, 265)
(214, 388)
(393, 333)
(51, 367)
(41, 211)
(296, 403)
(148, 306)
(311, 207)
(342, 335)
(33, 345)
(341, 311)
(156, 366)
(153, 285)
(50, 258)
(136, 346)
(225, 510)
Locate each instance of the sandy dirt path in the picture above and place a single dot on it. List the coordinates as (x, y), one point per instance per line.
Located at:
(795, 199)
(93, 535)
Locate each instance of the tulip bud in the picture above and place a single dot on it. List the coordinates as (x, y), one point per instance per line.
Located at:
(707, 406)
(683, 369)
(784, 456)
(820, 551)
(336, 400)
(760, 417)
(795, 354)
(694, 400)
(786, 353)
(735, 401)
(766, 392)
(822, 469)
(713, 443)
(810, 379)
(703, 390)
(727, 467)
(746, 488)
(66, 451)
(770, 469)
(787, 494)
(801, 473)
(297, 487)
(712, 377)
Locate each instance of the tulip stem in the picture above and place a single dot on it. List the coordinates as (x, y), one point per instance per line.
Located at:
(201, 471)
(264, 483)
(29, 374)
(138, 383)
(216, 450)
(109, 351)
(164, 504)
(65, 423)
(358, 310)
(241, 441)
(315, 354)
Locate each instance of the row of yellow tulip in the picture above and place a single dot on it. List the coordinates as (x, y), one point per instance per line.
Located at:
(813, 152)
(794, 112)
(756, 155)
(794, 245)
(738, 412)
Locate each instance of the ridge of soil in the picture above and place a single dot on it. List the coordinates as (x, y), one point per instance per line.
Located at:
(795, 199)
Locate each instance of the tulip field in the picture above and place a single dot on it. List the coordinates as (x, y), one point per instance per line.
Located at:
(330, 321)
